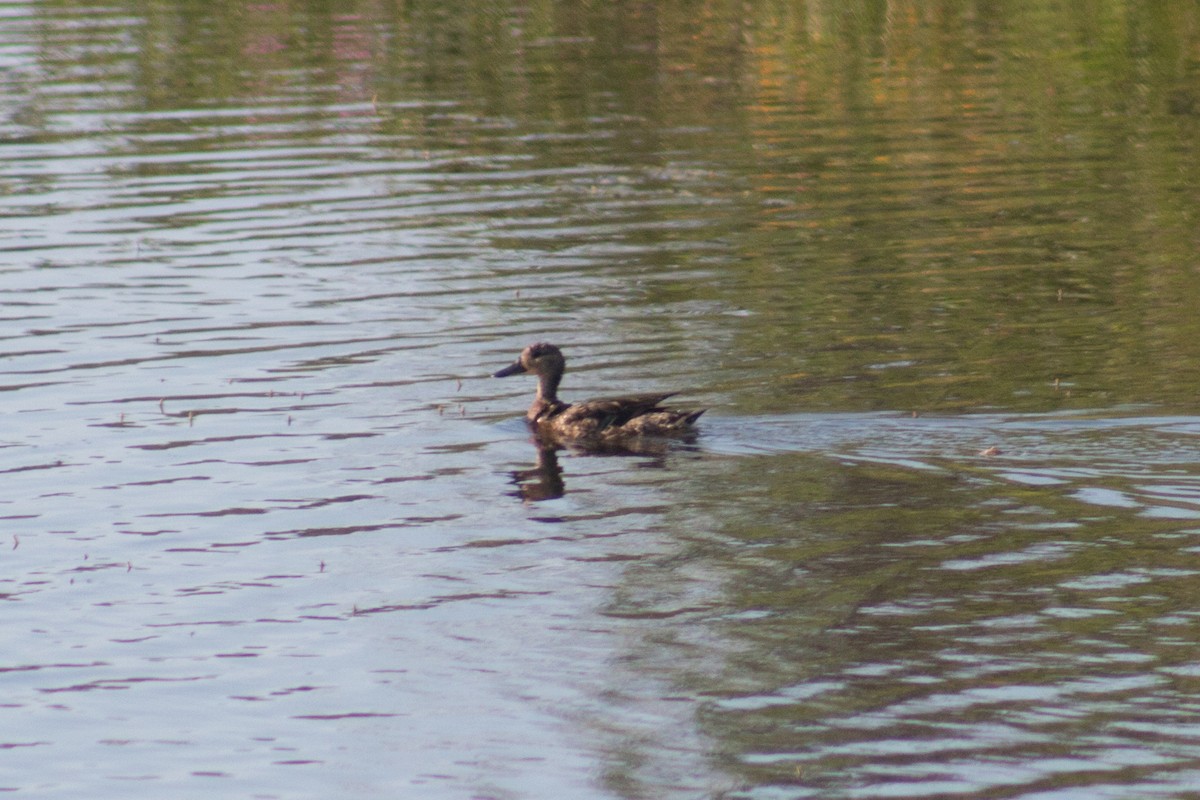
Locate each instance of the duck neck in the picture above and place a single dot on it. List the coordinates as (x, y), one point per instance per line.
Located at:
(547, 390)
(546, 403)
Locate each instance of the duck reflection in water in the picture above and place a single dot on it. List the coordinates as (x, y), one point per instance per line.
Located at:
(633, 425)
(544, 481)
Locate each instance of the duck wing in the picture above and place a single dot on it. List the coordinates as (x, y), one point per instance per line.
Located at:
(613, 412)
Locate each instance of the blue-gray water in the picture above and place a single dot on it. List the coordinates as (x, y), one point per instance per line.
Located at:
(269, 529)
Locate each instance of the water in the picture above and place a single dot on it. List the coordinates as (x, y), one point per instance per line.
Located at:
(270, 530)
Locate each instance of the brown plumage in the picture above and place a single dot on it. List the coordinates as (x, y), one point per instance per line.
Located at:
(594, 420)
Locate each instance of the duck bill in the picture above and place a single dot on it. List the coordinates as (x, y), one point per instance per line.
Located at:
(511, 369)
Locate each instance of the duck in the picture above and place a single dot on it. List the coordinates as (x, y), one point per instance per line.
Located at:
(601, 421)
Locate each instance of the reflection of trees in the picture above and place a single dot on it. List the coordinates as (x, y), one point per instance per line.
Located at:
(950, 204)
(951, 191)
(686, 60)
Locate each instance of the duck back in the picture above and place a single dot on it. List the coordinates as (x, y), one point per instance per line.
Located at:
(638, 415)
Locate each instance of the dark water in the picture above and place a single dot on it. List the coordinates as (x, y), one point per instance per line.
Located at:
(269, 529)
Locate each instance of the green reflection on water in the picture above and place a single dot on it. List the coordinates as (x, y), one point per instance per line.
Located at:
(907, 207)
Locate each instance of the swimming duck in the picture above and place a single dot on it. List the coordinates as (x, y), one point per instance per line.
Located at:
(592, 420)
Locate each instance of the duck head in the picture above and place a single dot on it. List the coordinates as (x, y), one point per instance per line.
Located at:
(541, 359)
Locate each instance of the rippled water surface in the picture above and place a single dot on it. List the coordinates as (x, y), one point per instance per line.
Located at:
(269, 529)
